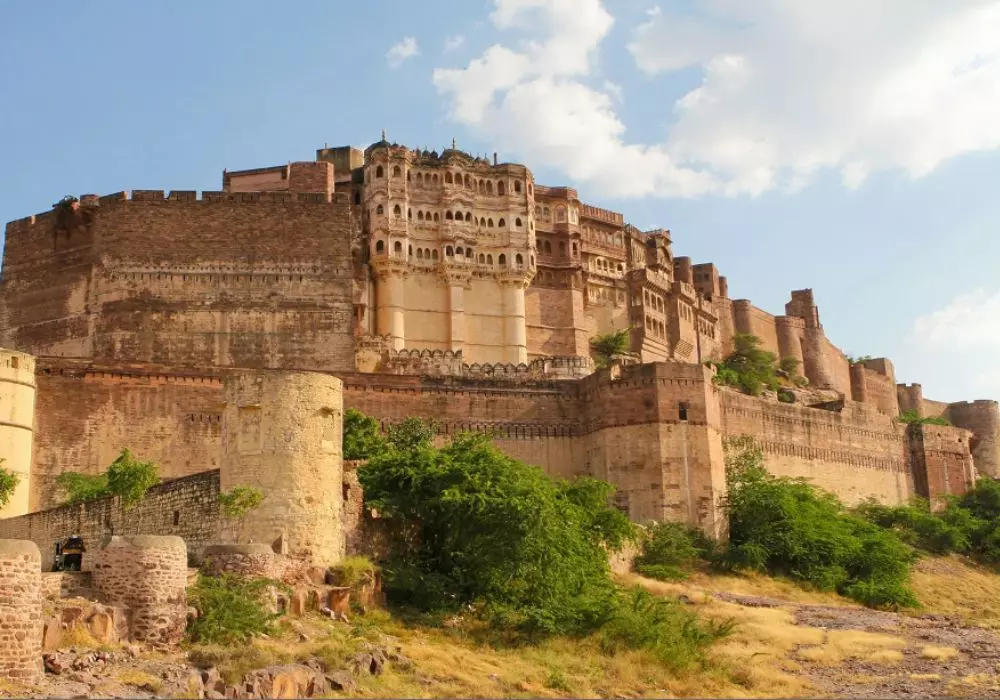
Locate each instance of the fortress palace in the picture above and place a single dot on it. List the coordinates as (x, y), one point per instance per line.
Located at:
(437, 285)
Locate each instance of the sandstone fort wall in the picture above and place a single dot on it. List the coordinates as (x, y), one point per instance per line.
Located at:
(185, 507)
(20, 612)
(245, 279)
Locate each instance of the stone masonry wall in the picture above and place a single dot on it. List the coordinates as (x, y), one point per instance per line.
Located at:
(185, 507)
(241, 279)
(20, 612)
(149, 575)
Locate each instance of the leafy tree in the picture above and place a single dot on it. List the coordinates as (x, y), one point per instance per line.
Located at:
(79, 488)
(789, 366)
(410, 434)
(9, 481)
(129, 479)
(362, 438)
(748, 367)
(606, 346)
(236, 504)
(670, 550)
(477, 527)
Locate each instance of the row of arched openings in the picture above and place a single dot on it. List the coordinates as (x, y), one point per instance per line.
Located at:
(431, 180)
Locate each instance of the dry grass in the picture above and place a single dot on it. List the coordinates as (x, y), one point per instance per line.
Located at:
(750, 584)
(938, 653)
(955, 586)
(841, 645)
(139, 679)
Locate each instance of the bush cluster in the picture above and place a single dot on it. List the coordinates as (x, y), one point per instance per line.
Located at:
(751, 369)
(127, 478)
(480, 534)
(968, 524)
(913, 418)
(231, 609)
(788, 527)
(671, 550)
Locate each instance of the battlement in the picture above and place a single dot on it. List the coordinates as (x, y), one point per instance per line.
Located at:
(189, 196)
(606, 215)
(436, 362)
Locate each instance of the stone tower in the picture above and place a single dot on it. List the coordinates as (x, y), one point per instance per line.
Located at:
(17, 418)
(282, 433)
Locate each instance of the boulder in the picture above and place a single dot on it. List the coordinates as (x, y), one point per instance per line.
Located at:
(287, 681)
(339, 600)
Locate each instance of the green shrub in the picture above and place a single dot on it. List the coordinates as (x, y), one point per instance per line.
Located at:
(231, 609)
(914, 418)
(788, 527)
(236, 504)
(130, 479)
(748, 367)
(661, 626)
(477, 527)
(608, 345)
(362, 437)
(977, 513)
(917, 526)
(354, 570)
(670, 551)
(9, 481)
(79, 488)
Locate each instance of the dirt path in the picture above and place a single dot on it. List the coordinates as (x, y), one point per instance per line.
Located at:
(865, 653)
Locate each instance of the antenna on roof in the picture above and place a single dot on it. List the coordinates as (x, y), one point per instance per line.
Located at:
(383, 134)
(453, 143)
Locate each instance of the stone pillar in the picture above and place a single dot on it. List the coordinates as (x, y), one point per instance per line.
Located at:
(148, 574)
(456, 299)
(391, 308)
(17, 420)
(515, 331)
(281, 433)
(20, 612)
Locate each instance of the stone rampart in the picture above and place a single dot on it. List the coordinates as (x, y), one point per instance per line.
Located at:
(20, 612)
(244, 560)
(148, 574)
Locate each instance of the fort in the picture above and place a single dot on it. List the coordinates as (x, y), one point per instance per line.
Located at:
(222, 335)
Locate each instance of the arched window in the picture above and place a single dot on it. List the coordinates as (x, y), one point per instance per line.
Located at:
(434, 254)
(561, 214)
(501, 223)
(489, 259)
(468, 182)
(458, 251)
(448, 216)
(427, 253)
(435, 179)
(489, 187)
(420, 179)
(532, 260)
(489, 223)
(448, 179)
(379, 246)
(379, 210)
(420, 216)
(574, 248)
(518, 260)
(410, 251)
(545, 210)
(396, 172)
(562, 248)
(517, 222)
(517, 186)
(436, 216)
(548, 247)
(468, 252)
(397, 247)
(482, 259)
(397, 211)
(468, 217)
(482, 187)
(357, 197)
(501, 188)
(449, 251)
(502, 260)
(538, 210)
(420, 253)
(379, 172)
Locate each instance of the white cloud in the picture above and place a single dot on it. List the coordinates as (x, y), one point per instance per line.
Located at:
(400, 52)
(615, 90)
(788, 88)
(968, 322)
(453, 42)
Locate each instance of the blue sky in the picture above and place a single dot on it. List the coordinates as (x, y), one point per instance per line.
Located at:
(842, 147)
